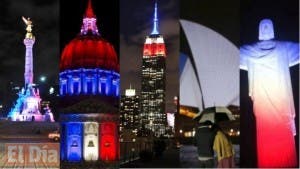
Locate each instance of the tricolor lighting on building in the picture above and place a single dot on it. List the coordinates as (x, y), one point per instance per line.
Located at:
(89, 68)
(153, 114)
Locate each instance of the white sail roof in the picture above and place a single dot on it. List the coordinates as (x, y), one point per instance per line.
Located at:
(190, 94)
(217, 64)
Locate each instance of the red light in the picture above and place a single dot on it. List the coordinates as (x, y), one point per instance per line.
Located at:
(154, 49)
(87, 52)
(275, 140)
(108, 142)
(89, 10)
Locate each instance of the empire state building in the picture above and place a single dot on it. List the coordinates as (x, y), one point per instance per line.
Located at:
(153, 116)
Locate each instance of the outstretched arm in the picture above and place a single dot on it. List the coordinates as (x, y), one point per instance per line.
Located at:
(243, 58)
(293, 53)
(25, 20)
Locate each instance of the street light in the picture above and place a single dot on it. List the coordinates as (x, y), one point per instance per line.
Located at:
(43, 78)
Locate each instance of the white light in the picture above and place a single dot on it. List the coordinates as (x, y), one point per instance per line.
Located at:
(1, 106)
(171, 119)
(90, 149)
(51, 90)
(160, 40)
(130, 92)
(148, 41)
(180, 131)
(43, 78)
(231, 130)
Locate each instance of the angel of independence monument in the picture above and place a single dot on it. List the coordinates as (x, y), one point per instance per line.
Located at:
(28, 107)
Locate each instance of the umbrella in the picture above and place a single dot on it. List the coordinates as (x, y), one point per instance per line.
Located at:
(214, 114)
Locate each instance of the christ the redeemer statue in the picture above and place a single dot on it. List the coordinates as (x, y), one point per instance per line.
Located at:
(270, 89)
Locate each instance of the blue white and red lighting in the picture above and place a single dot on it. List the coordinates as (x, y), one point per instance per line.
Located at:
(154, 44)
(89, 67)
(28, 107)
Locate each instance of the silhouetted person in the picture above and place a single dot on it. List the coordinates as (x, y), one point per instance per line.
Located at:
(204, 140)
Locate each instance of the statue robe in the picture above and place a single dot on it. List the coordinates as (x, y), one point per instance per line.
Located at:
(271, 92)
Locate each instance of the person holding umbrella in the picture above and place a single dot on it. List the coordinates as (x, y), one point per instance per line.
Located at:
(209, 138)
(204, 141)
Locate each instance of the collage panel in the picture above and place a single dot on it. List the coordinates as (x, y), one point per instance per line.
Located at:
(269, 83)
(149, 84)
(149, 50)
(28, 88)
(208, 123)
(89, 82)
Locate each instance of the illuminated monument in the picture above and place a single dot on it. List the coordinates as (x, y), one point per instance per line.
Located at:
(89, 90)
(270, 89)
(28, 107)
(153, 116)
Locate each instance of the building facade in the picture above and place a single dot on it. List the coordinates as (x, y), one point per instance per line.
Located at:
(153, 116)
(129, 111)
(89, 90)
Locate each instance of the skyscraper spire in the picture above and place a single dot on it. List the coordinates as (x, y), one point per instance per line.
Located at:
(89, 13)
(155, 21)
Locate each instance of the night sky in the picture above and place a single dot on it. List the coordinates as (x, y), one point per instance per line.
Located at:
(221, 16)
(45, 16)
(136, 18)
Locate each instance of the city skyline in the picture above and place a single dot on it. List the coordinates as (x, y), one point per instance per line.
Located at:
(136, 23)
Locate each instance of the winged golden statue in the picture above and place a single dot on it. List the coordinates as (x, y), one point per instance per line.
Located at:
(29, 26)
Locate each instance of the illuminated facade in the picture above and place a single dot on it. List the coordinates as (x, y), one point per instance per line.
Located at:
(89, 70)
(153, 114)
(129, 111)
(28, 105)
(267, 63)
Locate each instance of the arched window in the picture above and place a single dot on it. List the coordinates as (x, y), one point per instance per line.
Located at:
(64, 89)
(89, 85)
(76, 87)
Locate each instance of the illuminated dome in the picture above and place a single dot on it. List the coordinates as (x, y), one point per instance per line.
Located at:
(89, 84)
(89, 51)
(89, 64)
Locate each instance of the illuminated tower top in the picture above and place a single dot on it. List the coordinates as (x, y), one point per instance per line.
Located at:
(28, 42)
(130, 92)
(154, 45)
(89, 21)
(155, 21)
(89, 49)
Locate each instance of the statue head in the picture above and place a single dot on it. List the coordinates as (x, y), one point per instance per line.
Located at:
(266, 30)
